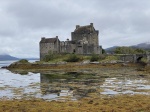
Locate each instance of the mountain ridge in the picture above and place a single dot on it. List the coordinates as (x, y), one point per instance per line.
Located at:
(5, 57)
(144, 46)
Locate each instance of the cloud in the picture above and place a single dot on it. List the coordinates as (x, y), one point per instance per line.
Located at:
(23, 23)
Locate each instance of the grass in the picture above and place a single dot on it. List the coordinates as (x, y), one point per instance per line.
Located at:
(78, 58)
(72, 58)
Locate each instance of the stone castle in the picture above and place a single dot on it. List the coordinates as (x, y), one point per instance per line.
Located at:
(84, 40)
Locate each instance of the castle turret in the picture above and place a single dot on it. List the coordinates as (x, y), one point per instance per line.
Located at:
(91, 24)
(77, 26)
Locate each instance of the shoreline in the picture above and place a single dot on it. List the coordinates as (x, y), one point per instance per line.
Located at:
(124, 103)
(72, 66)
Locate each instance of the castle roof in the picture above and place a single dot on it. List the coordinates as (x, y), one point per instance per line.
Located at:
(84, 29)
(48, 40)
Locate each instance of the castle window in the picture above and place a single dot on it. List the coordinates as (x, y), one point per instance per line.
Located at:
(74, 50)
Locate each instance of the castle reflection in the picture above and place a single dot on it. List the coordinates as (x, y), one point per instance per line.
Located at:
(72, 84)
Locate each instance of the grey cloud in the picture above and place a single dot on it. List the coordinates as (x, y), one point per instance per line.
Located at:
(43, 14)
(24, 22)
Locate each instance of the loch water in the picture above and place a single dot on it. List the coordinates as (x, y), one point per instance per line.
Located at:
(61, 85)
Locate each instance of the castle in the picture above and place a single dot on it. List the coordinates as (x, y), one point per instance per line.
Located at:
(84, 40)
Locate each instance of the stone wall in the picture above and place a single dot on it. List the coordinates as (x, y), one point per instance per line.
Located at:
(46, 47)
(134, 57)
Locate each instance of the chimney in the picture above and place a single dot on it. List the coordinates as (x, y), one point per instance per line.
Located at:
(77, 26)
(91, 24)
(43, 38)
(57, 37)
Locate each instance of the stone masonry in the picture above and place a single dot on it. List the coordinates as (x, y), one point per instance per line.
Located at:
(84, 40)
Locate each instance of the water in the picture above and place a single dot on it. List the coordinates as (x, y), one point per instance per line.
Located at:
(56, 85)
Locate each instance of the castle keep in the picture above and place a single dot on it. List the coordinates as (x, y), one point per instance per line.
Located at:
(84, 40)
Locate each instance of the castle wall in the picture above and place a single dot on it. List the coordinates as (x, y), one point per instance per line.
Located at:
(91, 38)
(45, 48)
(79, 49)
(84, 40)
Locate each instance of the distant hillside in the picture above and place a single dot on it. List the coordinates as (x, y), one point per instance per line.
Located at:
(145, 46)
(30, 58)
(111, 49)
(7, 57)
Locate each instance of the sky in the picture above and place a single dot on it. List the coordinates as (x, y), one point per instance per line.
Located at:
(24, 22)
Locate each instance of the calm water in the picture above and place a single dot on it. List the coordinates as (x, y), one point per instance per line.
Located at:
(56, 85)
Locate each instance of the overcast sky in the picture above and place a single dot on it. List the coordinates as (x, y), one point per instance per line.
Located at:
(24, 22)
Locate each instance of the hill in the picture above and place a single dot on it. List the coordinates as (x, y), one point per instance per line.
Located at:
(144, 46)
(4, 57)
(111, 49)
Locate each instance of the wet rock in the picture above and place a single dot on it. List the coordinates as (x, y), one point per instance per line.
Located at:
(4, 67)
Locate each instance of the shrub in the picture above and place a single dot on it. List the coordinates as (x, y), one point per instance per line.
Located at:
(102, 57)
(23, 61)
(49, 57)
(94, 57)
(72, 58)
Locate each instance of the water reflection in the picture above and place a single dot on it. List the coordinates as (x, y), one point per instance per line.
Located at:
(125, 86)
(77, 87)
(56, 85)
(73, 85)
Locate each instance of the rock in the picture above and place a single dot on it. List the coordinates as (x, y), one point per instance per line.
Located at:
(124, 64)
(86, 62)
(4, 67)
(95, 62)
(113, 61)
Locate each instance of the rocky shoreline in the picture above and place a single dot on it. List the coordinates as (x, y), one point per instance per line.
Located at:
(116, 103)
(65, 65)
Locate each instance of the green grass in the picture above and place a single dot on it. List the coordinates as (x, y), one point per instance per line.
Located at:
(79, 58)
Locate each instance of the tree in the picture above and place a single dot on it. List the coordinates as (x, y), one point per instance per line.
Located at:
(129, 50)
(140, 51)
(103, 51)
